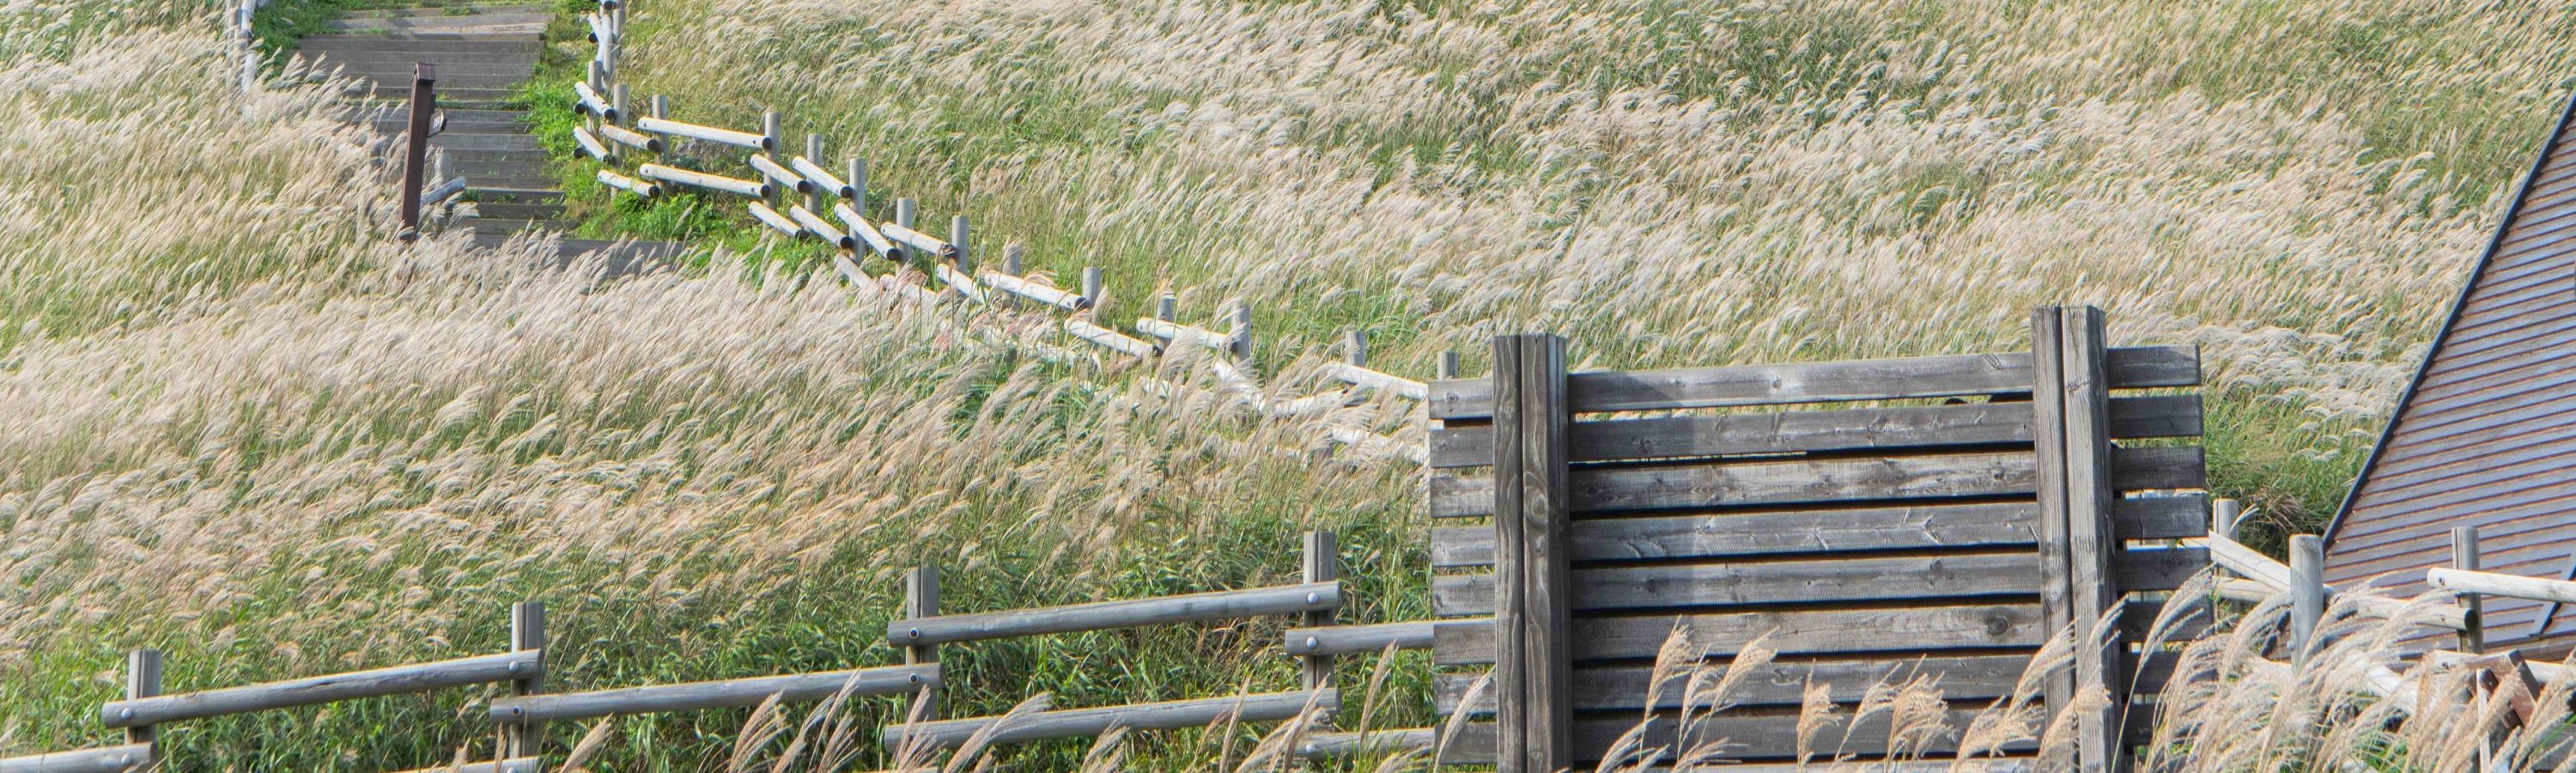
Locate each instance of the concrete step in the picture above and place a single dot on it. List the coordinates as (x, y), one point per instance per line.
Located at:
(389, 44)
(483, 170)
(506, 226)
(459, 156)
(469, 97)
(372, 59)
(441, 22)
(508, 211)
(445, 9)
(454, 126)
(624, 258)
(447, 81)
(531, 183)
(402, 69)
(509, 33)
(514, 195)
(454, 141)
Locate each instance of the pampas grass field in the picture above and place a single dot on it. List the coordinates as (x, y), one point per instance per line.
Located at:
(248, 429)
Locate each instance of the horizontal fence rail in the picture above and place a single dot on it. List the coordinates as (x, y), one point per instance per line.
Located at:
(1074, 723)
(740, 139)
(396, 680)
(695, 696)
(512, 765)
(1196, 607)
(106, 759)
(1360, 639)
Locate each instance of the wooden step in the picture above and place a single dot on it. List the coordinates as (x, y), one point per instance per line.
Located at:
(386, 44)
(504, 210)
(485, 142)
(402, 68)
(507, 226)
(494, 170)
(547, 184)
(514, 195)
(364, 58)
(446, 9)
(447, 82)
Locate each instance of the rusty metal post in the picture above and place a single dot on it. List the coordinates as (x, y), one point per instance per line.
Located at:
(416, 154)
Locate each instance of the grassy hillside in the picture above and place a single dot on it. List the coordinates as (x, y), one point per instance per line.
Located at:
(251, 432)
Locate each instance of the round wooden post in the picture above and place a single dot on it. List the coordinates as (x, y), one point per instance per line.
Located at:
(2464, 556)
(2308, 597)
(920, 600)
(1355, 347)
(906, 210)
(858, 186)
(1448, 364)
(1165, 307)
(2223, 516)
(1091, 286)
(527, 633)
(1240, 338)
(1323, 563)
(957, 238)
(814, 154)
(142, 680)
(661, 106)
(1011, 259)
(617, 99)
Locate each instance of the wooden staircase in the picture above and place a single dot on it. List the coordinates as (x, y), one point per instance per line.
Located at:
(482, 54)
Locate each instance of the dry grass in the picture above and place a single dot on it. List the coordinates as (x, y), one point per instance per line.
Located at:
(248, 430)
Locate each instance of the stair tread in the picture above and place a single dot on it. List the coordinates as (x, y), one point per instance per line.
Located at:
(474, 9)
(388, 43)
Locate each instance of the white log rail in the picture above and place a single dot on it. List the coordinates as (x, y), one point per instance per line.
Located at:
(1031, 290)
(728, 693)
(628, 184)
(959, 281)
(864, 231)
(396, 680)
(1075, 723)
(915, 239)
(2493, 584)
(2265, 578)
(820, 228)
(739, 139)
(697, 179)
(1108, 339)
(822, 179)
(590, 101)
(1359, 639)
(770, 217)
(590, 144)
(630, 138)
(1365, 378)
(1173, 331)
(780, 176)
(104, 759)
(1127, 613)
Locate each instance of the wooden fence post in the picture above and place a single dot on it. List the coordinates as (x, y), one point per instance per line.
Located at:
(1448, 364)
(858, 186)
(1323, 563)
(957, 236)
(2079, 587)
(2308, 597)
(1239, 334)
(1011, 259)
(920, 600)
(1091, 286)
(1355, 347)
(424, 101)
(2464, 556)
(527, 633)
(1533, 661)
(142, 680)
(661, 106)
(814, 155)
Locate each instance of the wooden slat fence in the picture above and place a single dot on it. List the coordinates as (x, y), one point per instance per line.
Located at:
(1869, 521)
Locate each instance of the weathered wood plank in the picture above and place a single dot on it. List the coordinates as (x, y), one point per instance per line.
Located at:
(1359, 639)
(1352, 744)
(1196, 607)
(1960, 677)
(1811, 382)
(1762, 483)
(1545, 512)
(1799, 532)
(396, 680)
(105, 759)
(1509, 626)
(1894, 578)
(1739, 737)
(2048, 373)
(1076, 723)
(1827, 631)
(696, 696)
(512, 765)
(1971, 424)
(1665, 586)
(2094, 546)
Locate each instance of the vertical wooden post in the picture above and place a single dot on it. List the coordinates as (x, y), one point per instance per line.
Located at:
(1091, 286)
(906, 210)
(1164, 307)
(617, 101)
(1355, 347)
(1011, 259)
(1239, 334)
(769, 136)
(1532, 616)
(2092, 542)
(424, 101)
(142, 680)
(2464, 556)
(2308, 597)
(2223, 517)
(957, 234)
(2048, 432)
(814, 155)
(1448, 364)
(661, 106)
(920, 600)
(1323, 563)
(527, 633)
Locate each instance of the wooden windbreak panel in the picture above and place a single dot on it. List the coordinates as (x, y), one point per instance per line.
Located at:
(1870, 522)
(2485, 433)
